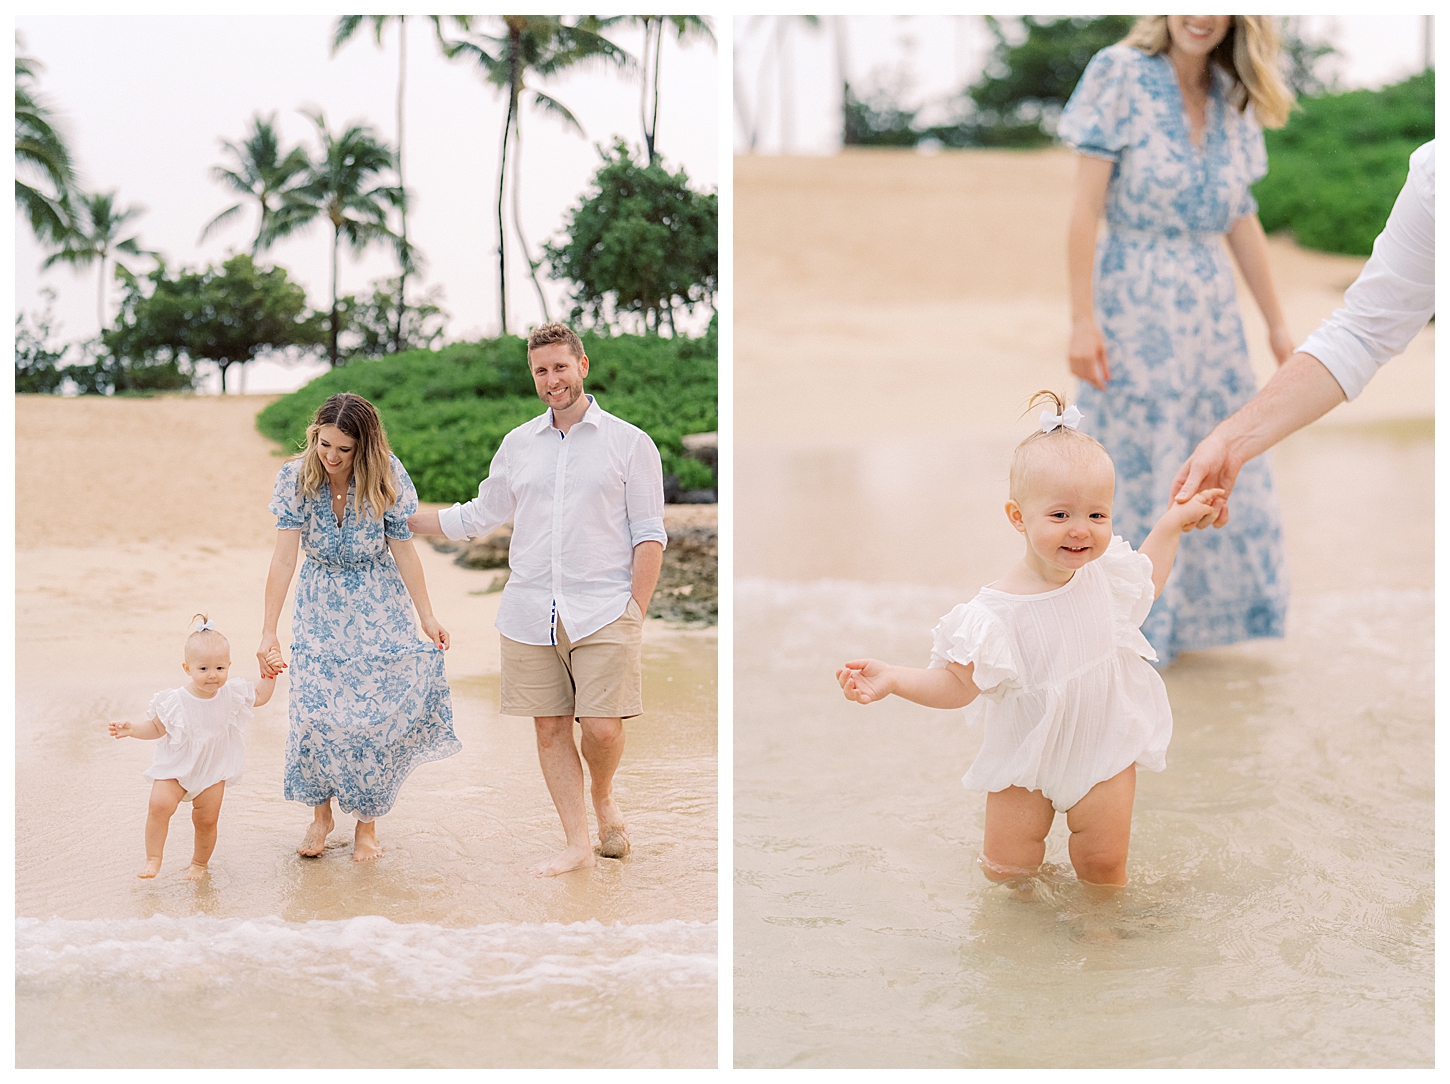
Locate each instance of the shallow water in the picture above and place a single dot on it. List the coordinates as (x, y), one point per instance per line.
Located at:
(1280, 911)
(445, 953)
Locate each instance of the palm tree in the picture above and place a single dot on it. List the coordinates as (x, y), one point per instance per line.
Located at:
(541, 45)
(96, 237)
(347, 26)
(41, 152)
(261, 171)
(684, 26)
(342, 186)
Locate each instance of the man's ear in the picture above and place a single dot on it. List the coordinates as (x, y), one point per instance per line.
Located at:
(583, 365)
(1014, 516)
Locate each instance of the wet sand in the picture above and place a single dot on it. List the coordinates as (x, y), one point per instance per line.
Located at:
(893, 315)
(446, 952)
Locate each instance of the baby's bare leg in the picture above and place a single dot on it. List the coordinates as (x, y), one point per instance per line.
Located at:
(1100, 824)
(1018, 821)
(166, 795)
(206, 807)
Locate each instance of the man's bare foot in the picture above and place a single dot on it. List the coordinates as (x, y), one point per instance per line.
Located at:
(195, 872)
(566, 861)
(314, 840)
(613, 832)
(151, 868)
(365, 847)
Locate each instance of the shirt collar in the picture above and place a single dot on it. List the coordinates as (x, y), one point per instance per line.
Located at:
(593, 416)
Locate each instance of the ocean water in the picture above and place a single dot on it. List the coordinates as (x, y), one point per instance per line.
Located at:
(1280, 911)
(446, 953)
(361, 992)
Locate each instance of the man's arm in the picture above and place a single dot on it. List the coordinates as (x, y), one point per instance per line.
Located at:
(480, 517)
(644, 572)
(1301, 391)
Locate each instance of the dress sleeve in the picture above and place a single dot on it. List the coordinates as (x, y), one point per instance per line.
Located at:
(244, 695)
(1130, 588)
(166, 706)
(1097, 120)
(1253, 159)
(969, 634)
(395, 519)
(286, 501)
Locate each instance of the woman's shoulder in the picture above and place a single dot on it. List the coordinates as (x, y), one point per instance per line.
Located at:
(1119, 57)
(288, 470)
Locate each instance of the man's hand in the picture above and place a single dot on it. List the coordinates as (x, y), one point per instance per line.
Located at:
(1213, 465)
(424, 523)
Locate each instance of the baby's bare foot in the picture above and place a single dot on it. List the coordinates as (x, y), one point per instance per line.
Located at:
(195, 872)
(315, 838)
(566, 861)
(151, 868)
(365, 846)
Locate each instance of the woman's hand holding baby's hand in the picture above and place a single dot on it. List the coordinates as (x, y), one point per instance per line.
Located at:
(265, 651)
(120, 729)
(275, 663)
(863, 680)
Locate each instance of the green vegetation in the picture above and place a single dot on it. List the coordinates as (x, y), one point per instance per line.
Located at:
(446, 411)
(640, 241)
(1337, 166)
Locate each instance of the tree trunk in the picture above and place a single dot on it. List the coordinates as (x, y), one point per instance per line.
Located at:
(332, 334)
(644, 91)
(654, 124)
(508, 123)
(101, 299)
(407, 255)
(518, 219)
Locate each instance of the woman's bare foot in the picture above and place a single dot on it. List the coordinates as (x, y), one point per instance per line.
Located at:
(566, 861)
(314, 840)
(195, 872)
(365, 846)
(613, 832)
(151, 868)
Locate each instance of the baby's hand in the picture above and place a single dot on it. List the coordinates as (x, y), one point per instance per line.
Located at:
(275, 663)
(120, 729)
(1199, 511)
(863, 680)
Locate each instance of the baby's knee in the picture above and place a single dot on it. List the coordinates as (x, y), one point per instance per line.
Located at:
(205, 819)
(1101, 865)
(999, 872)
(162, 805)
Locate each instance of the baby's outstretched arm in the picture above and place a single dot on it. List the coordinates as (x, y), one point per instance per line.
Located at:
(868, 680)
(150, 730)
(1161, 545)
(267, 683)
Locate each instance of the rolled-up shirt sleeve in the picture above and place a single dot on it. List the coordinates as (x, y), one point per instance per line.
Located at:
(1394, 296)
(644, 494)
(490, 510)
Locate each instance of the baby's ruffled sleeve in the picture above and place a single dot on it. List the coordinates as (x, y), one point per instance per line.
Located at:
(1097, 120)
(286, 501)
(244, 695)
(971, 635)
(166, 706)
(1130, 587)
(395, 519)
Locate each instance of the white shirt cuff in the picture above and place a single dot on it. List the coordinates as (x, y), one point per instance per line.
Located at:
(451, 521)
(648, 530)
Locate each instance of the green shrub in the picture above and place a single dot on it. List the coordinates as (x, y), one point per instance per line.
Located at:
(446, 411)
(1337, 166)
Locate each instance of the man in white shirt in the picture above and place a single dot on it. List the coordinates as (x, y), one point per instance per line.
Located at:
(1393, 298)
(586, 495)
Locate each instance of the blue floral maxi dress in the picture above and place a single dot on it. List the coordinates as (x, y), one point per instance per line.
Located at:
(1164, 296)
(369, 698)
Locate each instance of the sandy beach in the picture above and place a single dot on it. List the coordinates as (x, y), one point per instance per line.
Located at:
(138, 513)
(893, 314)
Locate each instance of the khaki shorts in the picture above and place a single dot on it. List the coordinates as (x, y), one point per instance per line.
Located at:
(597, 678)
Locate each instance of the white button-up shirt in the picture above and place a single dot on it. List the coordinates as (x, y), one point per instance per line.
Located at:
(1394, 296)
(580, 502)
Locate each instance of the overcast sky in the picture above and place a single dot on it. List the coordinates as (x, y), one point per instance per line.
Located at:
(924, 58)
(146, 100)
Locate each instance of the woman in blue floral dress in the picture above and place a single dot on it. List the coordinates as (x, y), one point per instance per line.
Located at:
(1167, 126)
(369, 698)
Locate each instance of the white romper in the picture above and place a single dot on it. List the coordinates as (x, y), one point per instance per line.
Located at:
(204, 742)
(1068, 696)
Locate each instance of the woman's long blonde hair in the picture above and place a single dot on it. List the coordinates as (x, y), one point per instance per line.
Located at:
(358, 419)
(1249, 53)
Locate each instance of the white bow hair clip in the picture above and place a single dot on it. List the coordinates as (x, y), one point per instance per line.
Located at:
(206, 626)
(1068, 418)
